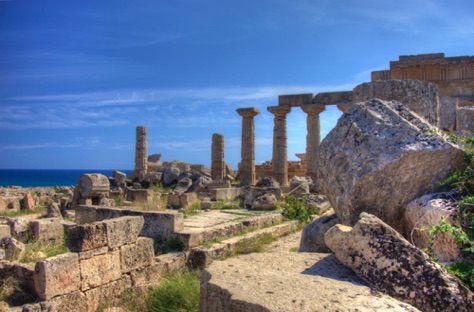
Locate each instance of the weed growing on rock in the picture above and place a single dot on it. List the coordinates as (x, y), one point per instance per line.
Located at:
(223, 204)
(173, 244)
(178, 292)
(36, 251)
(298, 209)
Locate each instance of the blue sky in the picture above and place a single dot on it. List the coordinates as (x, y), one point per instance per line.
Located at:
(77, 77)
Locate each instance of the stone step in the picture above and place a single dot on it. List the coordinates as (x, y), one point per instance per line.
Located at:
(203, 256)
(196, 236)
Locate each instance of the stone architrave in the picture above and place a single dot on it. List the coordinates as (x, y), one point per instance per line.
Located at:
(247, 163)
(313, 138)
(141, 158)
(218, 165)
(280, 154)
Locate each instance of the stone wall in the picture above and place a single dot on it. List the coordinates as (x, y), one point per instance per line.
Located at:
(158, 225)
(106, 258)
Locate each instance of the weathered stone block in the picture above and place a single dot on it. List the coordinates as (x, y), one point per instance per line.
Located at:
(47, 230)
(295, 99)
(187, 199)
(379, 157)
(5, 231)
(174, 200)
(174, 261)
(28, 203)
(224, 193)
(383, 258)
(123, 230)
(100, 270)
(86, 237)
(312, 238)
(72, 302)
(149, 275)
(420, 97)
(57, 276)
(465, 121)
(138, 255)
(92, 253)
(110, 293)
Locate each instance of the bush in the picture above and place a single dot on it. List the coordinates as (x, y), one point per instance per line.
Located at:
(178, 292)
(298, 209)
(464, 271)
(173, 244)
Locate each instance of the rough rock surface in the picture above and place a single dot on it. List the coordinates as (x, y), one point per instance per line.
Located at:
(14, 249)
(170, 176)
(265, 202)
(281, 280)
(419, 96)
(54, 211)
(183, 185)
(382, 257)
(268, 182)
(465, 121)
(27, 203)
(379, 157)
(252, 194)
(429, 210)
(312, 239)
(299, 185)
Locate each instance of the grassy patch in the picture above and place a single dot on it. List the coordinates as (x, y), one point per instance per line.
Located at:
(156, 204)
(464, 271)
(36, 251)
(22, 212)
(254, 244)
(223, 204)
(178, 292)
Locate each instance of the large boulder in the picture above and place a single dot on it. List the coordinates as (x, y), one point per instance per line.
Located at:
(312, 238)
(14, 249)
(183, 185)
(429, 210)
(170, 176)
(379, 157)
(252, 194)
(382, 257)
(265, 202)
(27, 203)
(267, 182)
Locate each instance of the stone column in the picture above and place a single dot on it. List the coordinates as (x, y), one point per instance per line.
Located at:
(141, 157)
(280, 154)
(218, 165)
(247, 164)
(313, 138)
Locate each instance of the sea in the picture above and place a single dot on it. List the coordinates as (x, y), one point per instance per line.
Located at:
(47, 177)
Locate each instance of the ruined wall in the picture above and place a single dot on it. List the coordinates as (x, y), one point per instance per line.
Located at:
(453, 75)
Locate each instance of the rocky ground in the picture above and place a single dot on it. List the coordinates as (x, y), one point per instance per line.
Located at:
(282, 279)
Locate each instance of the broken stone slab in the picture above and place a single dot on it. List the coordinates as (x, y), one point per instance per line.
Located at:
(183, 185)
(252, 193)
(170, 176)
(312, 238)
(19, 228)
(47, 231)
(217, 194)
(265, 202)
(13, 248)
(268, 182)
(299, 185)
(418, 96)
(57, 275)
(379, 157)
(54, 211)
(429, 210)
(382, 257)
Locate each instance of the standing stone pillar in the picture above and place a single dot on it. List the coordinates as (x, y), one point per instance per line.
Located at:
(218, 165)
(313, 138)
(247, 163)
(141, 157)
(280, 154)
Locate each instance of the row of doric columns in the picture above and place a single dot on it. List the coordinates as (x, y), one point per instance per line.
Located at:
(280, 153)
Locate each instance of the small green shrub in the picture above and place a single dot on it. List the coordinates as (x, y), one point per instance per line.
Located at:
(464, 271)
(298, 209)
(178, 292)
(173, 244)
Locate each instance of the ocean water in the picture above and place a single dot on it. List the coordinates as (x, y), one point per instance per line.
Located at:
(46, 177)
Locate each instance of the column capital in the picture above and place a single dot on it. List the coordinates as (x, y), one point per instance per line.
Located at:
(313, 109)
(248, 112)
(344, 107)
(279, 111)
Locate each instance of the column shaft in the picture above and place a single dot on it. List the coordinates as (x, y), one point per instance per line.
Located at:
(218, 165)
(247, 164)
(313, 137)
(280, 153)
